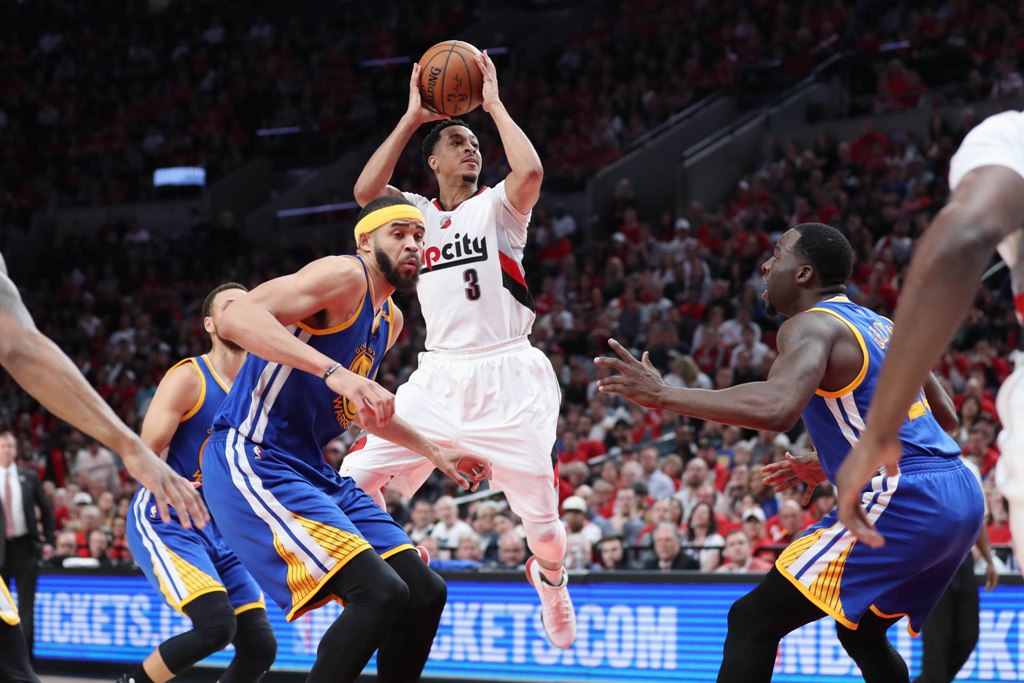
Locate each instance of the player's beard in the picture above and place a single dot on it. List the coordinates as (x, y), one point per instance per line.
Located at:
(231, 346)
(470, 178)
(403, 284)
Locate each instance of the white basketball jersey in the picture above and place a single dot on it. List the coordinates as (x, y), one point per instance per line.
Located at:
(472, 288)
(997, 141)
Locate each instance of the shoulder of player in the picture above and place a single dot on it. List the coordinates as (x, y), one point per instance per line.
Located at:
(184, 377)
(346, 268)
(181, 386)
(417, 199)
(397, 322)
(397, 317)
(337, 279)
(809, 327)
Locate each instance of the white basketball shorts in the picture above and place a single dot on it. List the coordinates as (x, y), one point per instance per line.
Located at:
(500, 402)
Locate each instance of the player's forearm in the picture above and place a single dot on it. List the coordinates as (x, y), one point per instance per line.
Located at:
(755, 406)
(519, 151)
(378, 170)
(983, 543)
(941, 284)
(941, 404)
(42, 369)
(257, 331)
(401, 433)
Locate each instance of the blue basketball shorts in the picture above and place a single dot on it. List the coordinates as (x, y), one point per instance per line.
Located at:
(291, 534)
(929, 512)
(185, 563)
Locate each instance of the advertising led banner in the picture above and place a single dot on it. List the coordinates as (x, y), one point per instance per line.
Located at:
(491, 630)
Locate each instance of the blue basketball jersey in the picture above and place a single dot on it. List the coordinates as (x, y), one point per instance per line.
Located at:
(183, 451)
(835, 420)
(294, 412)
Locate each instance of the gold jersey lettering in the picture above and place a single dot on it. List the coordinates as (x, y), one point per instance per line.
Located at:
(881, 334)
(345, 409)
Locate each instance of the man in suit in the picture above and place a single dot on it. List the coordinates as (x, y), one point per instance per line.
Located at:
(668, 550)
(26, 519)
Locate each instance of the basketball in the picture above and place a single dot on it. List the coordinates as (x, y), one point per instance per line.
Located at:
(450, 80)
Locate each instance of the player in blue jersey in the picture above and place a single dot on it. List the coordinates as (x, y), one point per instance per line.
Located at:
(830, 354)
(45, 372)
(315, 340)
(194, 569)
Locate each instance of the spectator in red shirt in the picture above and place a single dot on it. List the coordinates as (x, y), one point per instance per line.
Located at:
(999, 520)
(786, 526)
(88, 520)
(574, 449)
(739, 556)
(118, 551)
(571, 476)
(981, 444)
(754, 525)
(712, 353)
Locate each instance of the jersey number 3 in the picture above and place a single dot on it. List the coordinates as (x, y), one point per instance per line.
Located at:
(472, 284)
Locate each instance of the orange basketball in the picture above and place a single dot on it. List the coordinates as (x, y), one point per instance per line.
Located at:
(450, 80)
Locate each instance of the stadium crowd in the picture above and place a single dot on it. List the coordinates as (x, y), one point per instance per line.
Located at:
(87, 112)
(639, 488)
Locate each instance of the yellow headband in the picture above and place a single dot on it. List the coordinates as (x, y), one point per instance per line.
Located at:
(382, 217)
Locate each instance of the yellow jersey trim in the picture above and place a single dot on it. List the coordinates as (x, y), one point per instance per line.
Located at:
(205, 591)
(348, 323)
(824, 606)
(391, 323)
(863, 349)
(202, 389)
(249, 606)
(910, 629)
(303, 606)
(213, 371)
(11, 618)
(397, 549)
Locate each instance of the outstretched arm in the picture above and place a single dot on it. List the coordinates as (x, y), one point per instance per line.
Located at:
(374, 179)
(523, 184)
(805, 343)
(258, 322)
(987, 206)
(464, 468)
(45, 372)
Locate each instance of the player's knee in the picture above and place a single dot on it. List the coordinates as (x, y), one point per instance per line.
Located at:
(254, 640)
(858, 642)
(215, 631)
(546, 540)
(431, 595)
(390, 594)
(747, 620)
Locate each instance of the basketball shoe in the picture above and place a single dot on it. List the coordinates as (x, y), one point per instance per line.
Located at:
(557, 613)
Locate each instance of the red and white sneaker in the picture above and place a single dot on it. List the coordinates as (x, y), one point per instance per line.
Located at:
(424, 554)
(557, 613)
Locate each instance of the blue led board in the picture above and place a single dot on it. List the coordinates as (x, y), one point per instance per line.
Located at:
(491, 630)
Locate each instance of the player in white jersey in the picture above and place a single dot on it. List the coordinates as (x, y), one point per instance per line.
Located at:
(481, 385)
(985, 213)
